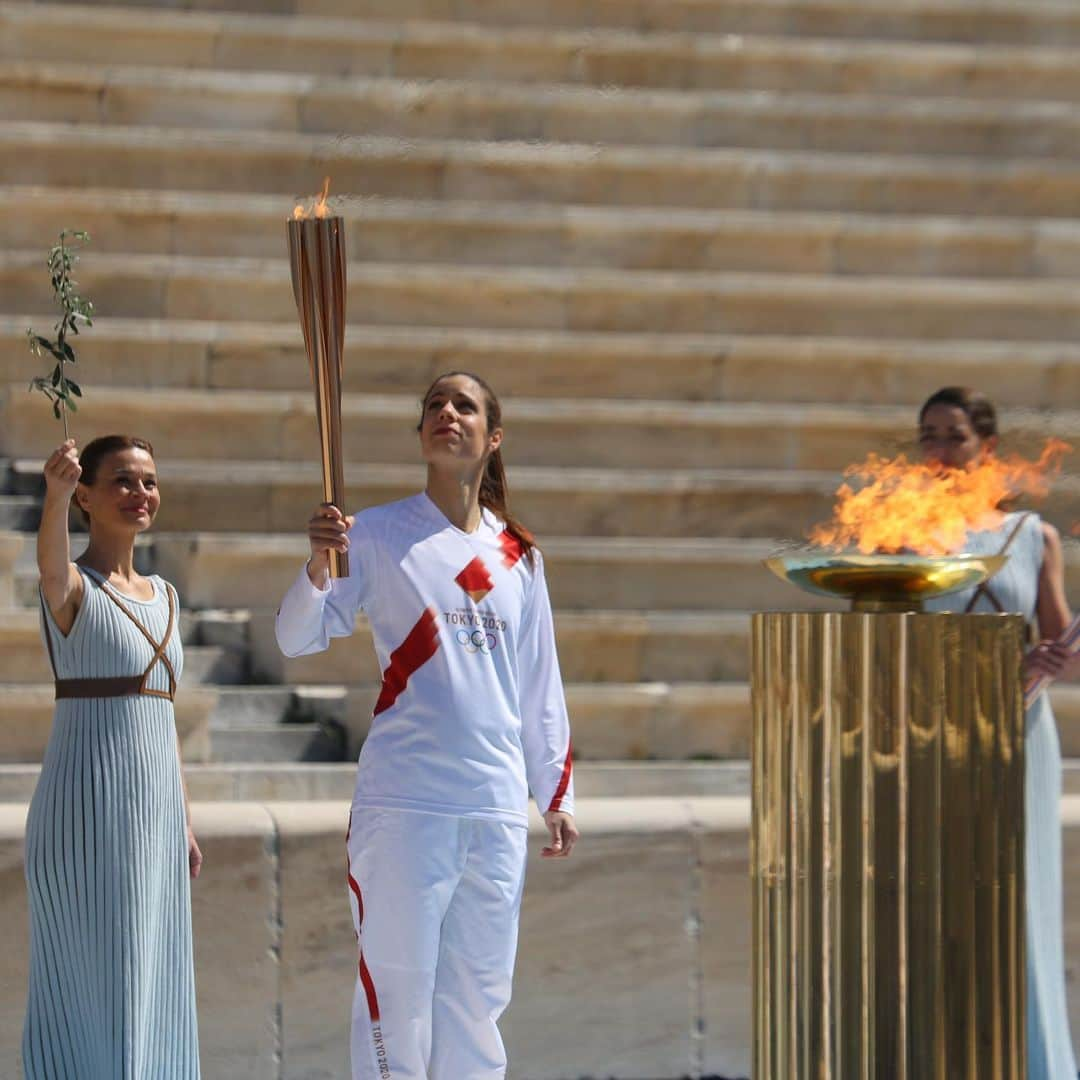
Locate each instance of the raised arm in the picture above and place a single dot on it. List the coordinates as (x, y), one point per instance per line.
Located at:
(317, 608)
(61, 583)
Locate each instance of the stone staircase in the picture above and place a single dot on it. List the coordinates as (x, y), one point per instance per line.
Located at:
(709, 252)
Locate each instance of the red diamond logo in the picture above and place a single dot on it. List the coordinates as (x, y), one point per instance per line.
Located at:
(475, 580)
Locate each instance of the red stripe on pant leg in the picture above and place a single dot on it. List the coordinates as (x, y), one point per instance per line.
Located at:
(359, 899)
(369, 990)
(354, 885)
(421, 644)
(564, 780)
(365, 975)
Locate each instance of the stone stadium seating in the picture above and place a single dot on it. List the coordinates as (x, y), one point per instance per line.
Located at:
(708, 251)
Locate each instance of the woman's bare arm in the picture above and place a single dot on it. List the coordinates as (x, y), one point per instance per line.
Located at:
(1052, 606)
(195, 856)
(61, 583)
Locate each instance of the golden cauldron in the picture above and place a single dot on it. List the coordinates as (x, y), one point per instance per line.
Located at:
(888, 828)
(885, 582)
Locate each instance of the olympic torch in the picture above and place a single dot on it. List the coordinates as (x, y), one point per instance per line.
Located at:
(317, 260)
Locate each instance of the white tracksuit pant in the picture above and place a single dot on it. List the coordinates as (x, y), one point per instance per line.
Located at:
(435, 903)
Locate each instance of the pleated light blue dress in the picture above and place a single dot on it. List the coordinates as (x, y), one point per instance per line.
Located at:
(112, 988)
(1016, 587)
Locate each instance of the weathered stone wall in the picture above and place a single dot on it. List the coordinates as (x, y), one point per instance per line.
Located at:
(634, 960)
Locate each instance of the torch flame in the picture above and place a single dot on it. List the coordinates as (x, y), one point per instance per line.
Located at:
(320, 206)
(319, 210)
(893, 505)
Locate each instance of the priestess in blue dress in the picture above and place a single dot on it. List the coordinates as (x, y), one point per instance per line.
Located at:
(956, 427)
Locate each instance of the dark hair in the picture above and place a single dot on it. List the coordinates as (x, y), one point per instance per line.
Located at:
(97, 450)
(493, 490)
(978, 408)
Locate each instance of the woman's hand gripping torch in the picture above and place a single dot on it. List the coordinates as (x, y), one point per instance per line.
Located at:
(317, 259)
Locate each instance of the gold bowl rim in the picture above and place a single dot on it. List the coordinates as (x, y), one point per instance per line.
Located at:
(854, 559)
(895, 574)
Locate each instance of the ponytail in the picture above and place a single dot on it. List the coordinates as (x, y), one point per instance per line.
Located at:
(493, 488)
(493, 496)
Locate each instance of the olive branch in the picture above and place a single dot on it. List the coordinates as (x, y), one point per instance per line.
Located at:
(57, 387)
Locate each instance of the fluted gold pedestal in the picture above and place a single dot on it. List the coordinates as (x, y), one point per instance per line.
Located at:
(888, 847)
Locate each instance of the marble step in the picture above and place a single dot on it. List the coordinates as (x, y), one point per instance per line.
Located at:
(213, 570)
(224, 630)
(12, 546)
(278, 497)
(214, 631)
(214, 665)
(79, 93)
(253, 571)
(262, 429)
(23, 658)
(279, 723)
(290, 164)
(633, 721)
(594, 647)
(638, 721)
(269, 707)
(675, 722)
(305, 781)
(260, 723)
(654, 721)
(599, 56)
(1049, 22)
(288, 743)
(239, 723)
(228, 629)
(22, 573)
(190, 287)
(265, 426)
(617, 573)
(26, 711)
(570, 501)
(19, 513)
(460, 233)
(133, 353)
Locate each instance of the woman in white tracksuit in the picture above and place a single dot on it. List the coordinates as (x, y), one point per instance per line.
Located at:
(470, 717)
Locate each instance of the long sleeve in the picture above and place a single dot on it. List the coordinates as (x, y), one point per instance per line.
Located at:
(544, 721)
(309, 617)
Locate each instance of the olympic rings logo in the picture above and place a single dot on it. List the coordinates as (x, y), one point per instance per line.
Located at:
(477, 641)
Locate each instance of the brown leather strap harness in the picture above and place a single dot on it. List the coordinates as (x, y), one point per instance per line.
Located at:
(122, 685)
(984, 588)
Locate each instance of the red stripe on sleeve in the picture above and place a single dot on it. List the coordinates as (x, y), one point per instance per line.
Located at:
(416, 650)
(564, 780)
(512, 549)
